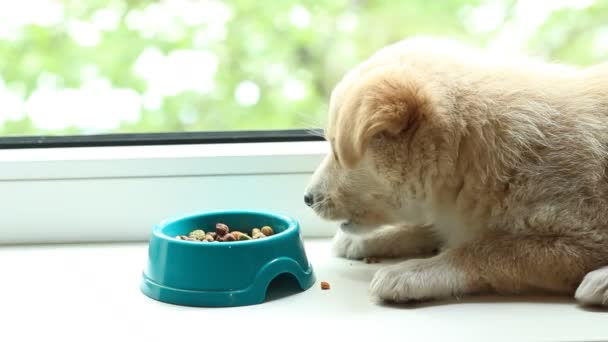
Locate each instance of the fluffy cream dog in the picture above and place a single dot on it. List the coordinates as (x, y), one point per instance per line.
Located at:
(497, 163)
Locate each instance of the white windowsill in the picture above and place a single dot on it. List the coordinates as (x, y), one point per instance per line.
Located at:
(101, 194)
(91, 292)
(160, 160)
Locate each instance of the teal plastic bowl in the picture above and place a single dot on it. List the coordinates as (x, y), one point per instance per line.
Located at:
(221, 274)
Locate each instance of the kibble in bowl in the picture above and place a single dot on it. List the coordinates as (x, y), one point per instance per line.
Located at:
(214, 259)
(223, 233)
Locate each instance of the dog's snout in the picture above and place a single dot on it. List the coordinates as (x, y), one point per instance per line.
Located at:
(309, 199)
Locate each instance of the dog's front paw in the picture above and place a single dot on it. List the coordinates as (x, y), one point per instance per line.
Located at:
(418, 279)
(349, 246)
(593, 290)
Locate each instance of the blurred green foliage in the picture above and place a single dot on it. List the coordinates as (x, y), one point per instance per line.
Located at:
(278, 47)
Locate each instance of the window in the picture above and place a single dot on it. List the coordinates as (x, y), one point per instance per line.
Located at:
(143, 74)
(112, 66)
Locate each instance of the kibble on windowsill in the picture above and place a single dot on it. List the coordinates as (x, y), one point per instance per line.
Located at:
(371, 260)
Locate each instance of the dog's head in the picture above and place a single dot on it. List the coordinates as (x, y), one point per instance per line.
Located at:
(376, 130)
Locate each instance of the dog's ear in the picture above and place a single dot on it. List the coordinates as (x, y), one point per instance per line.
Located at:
(387, 100)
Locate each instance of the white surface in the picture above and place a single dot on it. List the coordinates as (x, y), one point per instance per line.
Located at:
(91, 293)
(156, 161)
(119, 193)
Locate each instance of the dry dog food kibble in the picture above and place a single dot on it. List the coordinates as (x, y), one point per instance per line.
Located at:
(371, 260)
(223, 234)
(221, 229)
(267, 230)
(325, 285)
(228, 238)
(198, 234)
(244, 237)
(256, 233)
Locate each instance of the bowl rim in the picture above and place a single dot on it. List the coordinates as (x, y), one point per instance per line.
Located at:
(292, 226)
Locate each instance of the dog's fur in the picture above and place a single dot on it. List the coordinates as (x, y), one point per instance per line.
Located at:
(497, 162)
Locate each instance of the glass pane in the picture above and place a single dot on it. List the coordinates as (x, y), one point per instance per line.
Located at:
(110, 66)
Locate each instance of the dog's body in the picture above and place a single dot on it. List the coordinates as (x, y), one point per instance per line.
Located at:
(499, 163)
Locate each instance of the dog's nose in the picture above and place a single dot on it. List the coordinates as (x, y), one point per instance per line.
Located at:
(309, 199)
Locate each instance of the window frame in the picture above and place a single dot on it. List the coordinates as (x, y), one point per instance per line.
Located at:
(103, 188)
(161, 138)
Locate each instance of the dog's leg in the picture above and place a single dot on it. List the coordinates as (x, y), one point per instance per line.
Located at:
(498, 264)
(388, 242)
